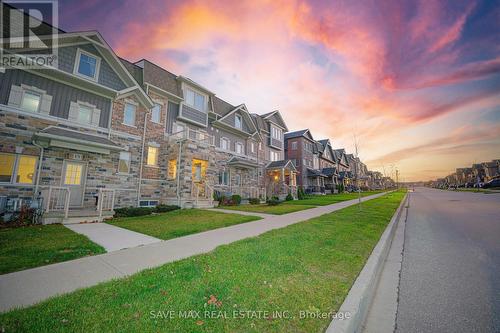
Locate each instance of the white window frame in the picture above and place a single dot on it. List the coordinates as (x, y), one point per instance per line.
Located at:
(276, 133)
(274, 156)
(15, 169)
(221, 177)
(228, 143)
(238, 118)
(79, 53)
(33, 92)
(195, 92)
(155, 164)
(240, 146)
(252, 147)
(159, 113)
(128, 159)
(91, 108)
(135, 114)
(149, 203)
(294, 145)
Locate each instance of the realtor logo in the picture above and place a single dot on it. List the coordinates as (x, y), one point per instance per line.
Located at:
(28, 33)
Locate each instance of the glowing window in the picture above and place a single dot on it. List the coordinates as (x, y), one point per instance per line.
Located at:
(26, 169)
(172, 169)
(73, 174)
(6, 167)
(152, 156)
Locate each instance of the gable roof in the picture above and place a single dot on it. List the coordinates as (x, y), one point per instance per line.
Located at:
(259, 122)
(160, 77)
(243, 110)
(304, 133)
(221, 107)
(281, 164)
(270, 116)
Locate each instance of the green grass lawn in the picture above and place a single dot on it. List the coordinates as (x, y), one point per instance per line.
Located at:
(297, 205)
(27, 247)
(323, 200)
(283, 208)
(180, 222)
(308, 266)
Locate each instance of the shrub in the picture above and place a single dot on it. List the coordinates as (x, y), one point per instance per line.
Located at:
(254, 201)
(236, 199)
(300, 193)
(133, 211)
(273, 201)
(226, 201)
(166, 208)
(289, 197)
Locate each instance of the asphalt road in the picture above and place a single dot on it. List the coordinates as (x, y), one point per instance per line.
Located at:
(450, 277)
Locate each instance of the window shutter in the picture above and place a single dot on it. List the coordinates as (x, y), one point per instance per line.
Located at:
(15, 96)
(46, 102)
(96, 115)
(73, 111)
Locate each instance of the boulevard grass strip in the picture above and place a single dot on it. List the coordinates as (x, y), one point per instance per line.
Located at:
(323, 200)
(179, 223)
(283, 208)
(311, 201)
(32, 246)
(309, 266)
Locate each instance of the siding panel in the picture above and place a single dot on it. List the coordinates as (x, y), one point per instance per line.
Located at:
(61, 94)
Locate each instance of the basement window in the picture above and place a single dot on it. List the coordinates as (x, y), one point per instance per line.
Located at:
(148, 203)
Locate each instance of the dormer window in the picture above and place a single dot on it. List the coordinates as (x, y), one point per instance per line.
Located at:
(195, 100)
(87, 65)
(238, 121)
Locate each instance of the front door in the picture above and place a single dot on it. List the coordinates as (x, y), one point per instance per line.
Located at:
(74, 175)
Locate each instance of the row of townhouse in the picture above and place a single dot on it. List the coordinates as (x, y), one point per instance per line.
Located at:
(468, 177)
(98, 132)
(322, 169)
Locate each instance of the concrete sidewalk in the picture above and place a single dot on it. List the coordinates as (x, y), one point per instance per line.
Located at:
(27, 287)
(110, 237)
(241, 212)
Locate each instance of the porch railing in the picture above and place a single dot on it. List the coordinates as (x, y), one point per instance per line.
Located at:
(194, 135)
(202, 190)
(247, 191)
(58, 199)
(105, 200)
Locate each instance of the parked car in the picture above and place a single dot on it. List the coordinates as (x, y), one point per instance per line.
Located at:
(492, 183)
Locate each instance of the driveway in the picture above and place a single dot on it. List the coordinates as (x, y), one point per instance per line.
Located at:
(450, 277)
(110, 237)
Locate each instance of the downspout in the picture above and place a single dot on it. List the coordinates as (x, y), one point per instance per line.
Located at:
(178, 192)
(37, 181)
(142, 158)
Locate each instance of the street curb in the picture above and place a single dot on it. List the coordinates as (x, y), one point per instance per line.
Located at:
(357, 303)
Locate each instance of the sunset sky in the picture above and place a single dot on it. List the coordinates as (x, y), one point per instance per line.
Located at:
(418, 82)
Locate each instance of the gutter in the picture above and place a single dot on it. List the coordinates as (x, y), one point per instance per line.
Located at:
(37, 181)
(142, 157)
(178, 193)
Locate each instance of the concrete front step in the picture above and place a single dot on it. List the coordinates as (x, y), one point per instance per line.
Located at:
(191, 203)
(76, 216)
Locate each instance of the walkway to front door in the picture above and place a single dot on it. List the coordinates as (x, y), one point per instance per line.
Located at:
(110, 237)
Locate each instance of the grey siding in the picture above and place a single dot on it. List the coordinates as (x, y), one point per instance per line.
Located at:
(61, 94)
(107, 77)
(218, 134)
(231, 122)
(194, 115)
(276, 143)
(172, 113)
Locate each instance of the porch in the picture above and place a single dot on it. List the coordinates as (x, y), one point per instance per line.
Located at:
(281, 179)
(315, 182)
